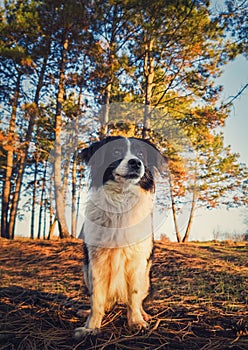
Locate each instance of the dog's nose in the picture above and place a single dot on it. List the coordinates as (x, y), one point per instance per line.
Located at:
(134, 164)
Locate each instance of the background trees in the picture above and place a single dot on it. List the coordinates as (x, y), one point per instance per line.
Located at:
(61, 60)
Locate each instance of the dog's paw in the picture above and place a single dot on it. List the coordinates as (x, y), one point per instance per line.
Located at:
(146, 316)
(139, 325)
(81, 332)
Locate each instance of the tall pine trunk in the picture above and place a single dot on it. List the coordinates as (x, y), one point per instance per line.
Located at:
(52, 219)
(15, 198)
(58, 183)
(174, 210)
(106, 102)
(111, 75)
(149, 77)
(191, 217)
(9, 164)
(74, 197)
(74, 182)
(33, 111)
(32, 225)
(41, 210)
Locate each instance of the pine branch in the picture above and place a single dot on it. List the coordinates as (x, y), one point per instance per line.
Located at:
(233, 98)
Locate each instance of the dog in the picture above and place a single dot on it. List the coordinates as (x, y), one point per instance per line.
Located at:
(118, 228)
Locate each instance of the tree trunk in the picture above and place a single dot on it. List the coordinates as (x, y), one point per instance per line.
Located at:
(58, 184)
(74, 197)
(44, 224)
(74, 207)
(106, 109)
(74, 177)
(106, 101)
(32, 225)
(51, 230)
(192, 212)
(79, 193)
(9, 164)
(149, 77)
(51, 213)
(174, 211)
(111, 76)
(66, 170)
(42, 201)
(15, 198)
(32, 117)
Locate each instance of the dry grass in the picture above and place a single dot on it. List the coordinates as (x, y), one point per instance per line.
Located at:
(199, 302)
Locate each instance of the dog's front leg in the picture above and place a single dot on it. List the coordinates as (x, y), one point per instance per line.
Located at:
(137, 291)
(98, 292)
(97, 299)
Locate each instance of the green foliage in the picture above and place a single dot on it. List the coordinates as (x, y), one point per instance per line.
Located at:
(234, 18)
(164, 54)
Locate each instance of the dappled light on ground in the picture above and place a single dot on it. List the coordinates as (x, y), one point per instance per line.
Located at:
(199, 299)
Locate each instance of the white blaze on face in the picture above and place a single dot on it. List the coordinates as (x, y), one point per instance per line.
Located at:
(124, 171)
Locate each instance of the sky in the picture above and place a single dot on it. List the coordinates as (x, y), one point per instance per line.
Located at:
(206, 222)
(234, 77)
(235, 132)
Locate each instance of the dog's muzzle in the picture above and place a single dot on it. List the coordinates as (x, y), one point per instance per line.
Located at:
(134, 168)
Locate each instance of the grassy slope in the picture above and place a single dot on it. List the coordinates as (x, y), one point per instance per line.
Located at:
(200, 298)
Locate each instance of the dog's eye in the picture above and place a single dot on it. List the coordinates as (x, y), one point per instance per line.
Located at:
(140, 154)
(117, 152)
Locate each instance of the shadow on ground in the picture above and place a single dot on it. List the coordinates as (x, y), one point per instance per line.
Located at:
(199, 299)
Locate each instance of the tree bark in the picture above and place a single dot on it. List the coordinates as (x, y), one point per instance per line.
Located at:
(79, 193)
(111, 76)
(149, 77)
(58, 183)
(74, 197)
(51, 230)
(191, 217)
(107, 96)
(44, 224)
(9, 164)
(51, 212)
(174, 211)
(74, 173)
(32, 225)
(15, 199)
(33, 113)
(66, 170)
(42, 201)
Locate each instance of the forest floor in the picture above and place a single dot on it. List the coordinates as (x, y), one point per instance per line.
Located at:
(199, 301)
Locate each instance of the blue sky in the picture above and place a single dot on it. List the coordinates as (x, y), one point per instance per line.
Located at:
(234, 78)
(206, 222)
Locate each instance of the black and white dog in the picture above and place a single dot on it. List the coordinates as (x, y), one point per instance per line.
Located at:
(118, 228)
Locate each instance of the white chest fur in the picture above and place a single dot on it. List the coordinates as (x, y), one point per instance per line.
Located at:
(118, 216)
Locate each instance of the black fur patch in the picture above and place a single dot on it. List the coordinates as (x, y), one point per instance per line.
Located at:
(85, 254)
(104, 156)
(147, 181)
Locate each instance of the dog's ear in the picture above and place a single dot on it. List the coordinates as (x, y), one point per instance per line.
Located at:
(87, 154)
(154, 157)
(84, 155)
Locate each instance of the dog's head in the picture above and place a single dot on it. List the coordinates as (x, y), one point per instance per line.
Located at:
(123, 160)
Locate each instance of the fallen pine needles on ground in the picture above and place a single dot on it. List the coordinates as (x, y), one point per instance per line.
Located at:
(199, 299)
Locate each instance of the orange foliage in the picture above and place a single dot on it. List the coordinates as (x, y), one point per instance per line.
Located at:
(27, 61)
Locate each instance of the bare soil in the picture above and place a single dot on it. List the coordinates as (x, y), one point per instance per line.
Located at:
(199, 298)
